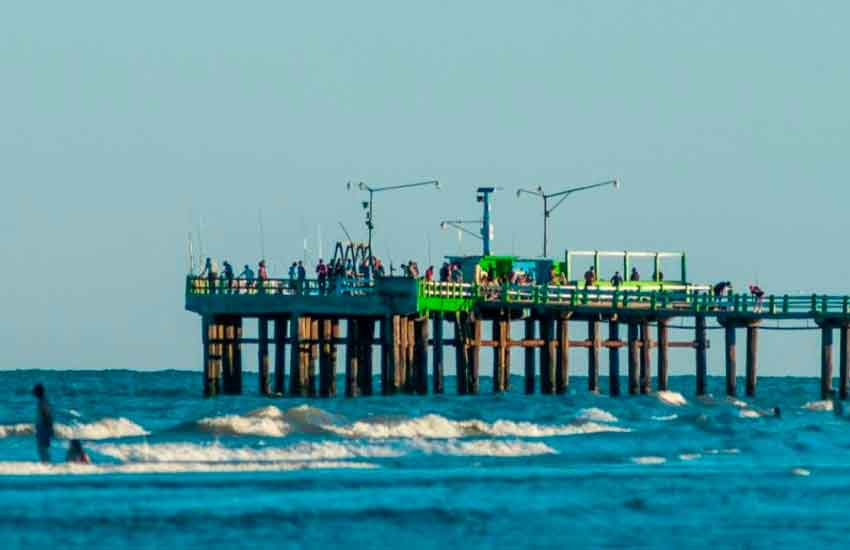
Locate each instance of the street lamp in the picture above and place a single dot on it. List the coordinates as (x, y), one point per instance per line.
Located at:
(362, 186)
(562, 195)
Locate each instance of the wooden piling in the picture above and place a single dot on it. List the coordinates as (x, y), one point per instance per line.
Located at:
(530, 366)
(404, 366)
(263, 355)
(352, 357)
(645, 358)
(227, 358)
(218, 356)
(298, 356)
(474, 357)
(633, 358)
(280, 324)
(209, 368)
(731, 359)
(663, 355)
(313, 357)
(826, 362)
(327, 370)
(547, 357)
(593, 356)
(844, 357)
(562, 370)
(237, 355)
(437, 352)
(389, 355)
(366, 334)
(460, 354)
(752, 358)
(410, 350)
(702, 355)
(420, 355)
(498, 357)
(614, 359)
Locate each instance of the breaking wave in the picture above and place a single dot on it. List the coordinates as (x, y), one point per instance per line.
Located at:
(269, 421)
(484, 447)
(822, 406)
(36, 468)
(596, 415)
(105, 428)
(434, 426)
(672, 398)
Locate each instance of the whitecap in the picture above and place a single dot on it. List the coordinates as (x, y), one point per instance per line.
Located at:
(648, 460)
(687, 457)
(822, 406)
(484, 447)
(666, 418)
(16, 429)
(801, 472)
(672, 398)
(105, 428)
(596, 415)
(36, 468)
(749, 413)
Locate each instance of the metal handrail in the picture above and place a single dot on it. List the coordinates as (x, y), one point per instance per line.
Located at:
(196, 286)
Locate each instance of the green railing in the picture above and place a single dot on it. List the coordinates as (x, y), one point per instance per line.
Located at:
(198, 286)
(694, 298)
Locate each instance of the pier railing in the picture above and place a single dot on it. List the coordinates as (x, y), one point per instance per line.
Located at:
(198, 286)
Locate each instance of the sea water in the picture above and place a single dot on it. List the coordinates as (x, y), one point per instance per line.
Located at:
(665, 470)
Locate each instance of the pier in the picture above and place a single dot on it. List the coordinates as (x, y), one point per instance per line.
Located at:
(407, 320)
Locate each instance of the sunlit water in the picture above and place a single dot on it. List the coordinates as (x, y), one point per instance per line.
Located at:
(659, 471)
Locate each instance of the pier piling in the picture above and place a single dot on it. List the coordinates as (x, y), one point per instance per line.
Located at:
(263, 355)
(280, 324)
(366, 335)
(614, 358)
(826, 362)
(731, 359)
(752, 358)
(437, 353)
(562, 371)
(844, 357)
(633, 357)
(352, 359)
(663, 355)
(702, 355)
(593, 356)
(420, 356)
(474, 357)
(501, 352)
(530, 366)
(460, 345)
(645, 357)
(547, 357)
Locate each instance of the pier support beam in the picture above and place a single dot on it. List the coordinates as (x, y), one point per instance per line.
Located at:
(389, 355)
(645, 358)
(225, 335)
(313, 358)
(663, 354)
(547, 357)
(731, 359)
(437, 352)
(752, 358)
(280, 324)
(844, 358)
(530, 366)
(702, 355)
(500, 355)
(366, 334)
(826, 362)
(420, 356)
(633, 358)
(562, 370)
(299, 356)
(614, 359)
(460, 329)
(327, 358)
(405, 334)
(474, 357)
(263, 355)
(352, 358)
(207, 328)
(593, 356)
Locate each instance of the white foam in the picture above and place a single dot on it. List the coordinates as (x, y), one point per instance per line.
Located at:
(35, 468)
(737, 402)
(434, 426)
(749, 413)
(801, 472)
(596, 415)
(648, 460)
(484, 447)
(216, 453)
(822, 406)
(264, 424)
(672, 398)
(105, 428)
(16, 429)
(687, 457)
(667, 418)
(723, 451)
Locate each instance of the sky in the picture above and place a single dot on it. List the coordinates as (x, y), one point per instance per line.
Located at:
(123, 127)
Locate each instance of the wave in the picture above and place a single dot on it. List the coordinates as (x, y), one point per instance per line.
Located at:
(434, 426)
(105, 428)
(821, 406)
(667, 418)
(36, 468)
(687, 457)
(648, 460)
(484, 447)
(596, 415)
(216, 453)
(269, 421)
(801, 472)
(672, 398)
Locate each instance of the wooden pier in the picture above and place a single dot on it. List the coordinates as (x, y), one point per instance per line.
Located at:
(407, 319)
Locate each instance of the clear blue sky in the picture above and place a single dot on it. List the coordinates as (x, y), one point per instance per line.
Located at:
(726, 121)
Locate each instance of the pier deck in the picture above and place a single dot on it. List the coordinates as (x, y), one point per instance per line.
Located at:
(410, 315)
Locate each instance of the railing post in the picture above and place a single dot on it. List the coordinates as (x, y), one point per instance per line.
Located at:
(785, 304)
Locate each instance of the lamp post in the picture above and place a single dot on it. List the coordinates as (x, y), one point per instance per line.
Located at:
(561, 195)
(362, 186)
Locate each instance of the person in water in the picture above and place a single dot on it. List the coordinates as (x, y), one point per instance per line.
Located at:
(43, 424)
(76, 453)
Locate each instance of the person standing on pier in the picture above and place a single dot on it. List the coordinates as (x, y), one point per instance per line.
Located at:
(322, 276)
(617, 280)
(43, 423)
(589, 277)
(302, 276)
(211, 273)
(635, 275)
(758, 294)
(228, 275)
(262, 275)
(247, 275)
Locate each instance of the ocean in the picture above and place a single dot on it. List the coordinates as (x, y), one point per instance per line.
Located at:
(665, 470)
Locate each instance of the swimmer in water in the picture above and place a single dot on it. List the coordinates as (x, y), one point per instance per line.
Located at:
(76, 453)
